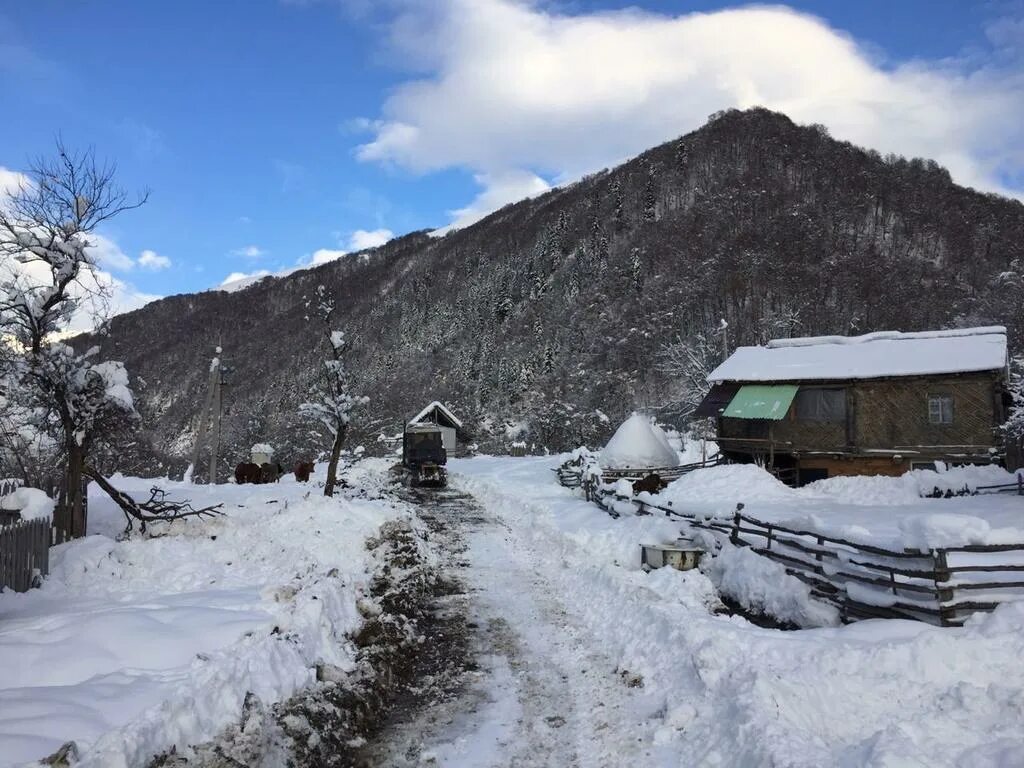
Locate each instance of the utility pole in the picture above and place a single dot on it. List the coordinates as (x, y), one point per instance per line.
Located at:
(212, 401)
(215, 426)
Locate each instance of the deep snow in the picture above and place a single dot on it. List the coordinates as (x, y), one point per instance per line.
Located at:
(719, 691)
(131, 647)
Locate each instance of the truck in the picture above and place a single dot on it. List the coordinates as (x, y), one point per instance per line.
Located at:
(424, 456)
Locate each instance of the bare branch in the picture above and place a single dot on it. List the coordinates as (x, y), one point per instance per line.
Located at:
(157, 509)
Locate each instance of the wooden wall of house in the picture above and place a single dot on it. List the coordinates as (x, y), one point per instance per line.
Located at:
(894, 414)
(890, 415)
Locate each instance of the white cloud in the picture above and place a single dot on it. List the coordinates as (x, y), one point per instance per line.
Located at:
(250, 277)
(101, 295)
(324, 255)
(513, 90)
(362, 239)
(153, 261)
(359, 240)
(107, 253)
(499, 189)
(249, 252)
(11, 181)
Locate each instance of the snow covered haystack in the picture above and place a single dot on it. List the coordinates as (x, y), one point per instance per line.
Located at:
(638, 444)
(261, 453)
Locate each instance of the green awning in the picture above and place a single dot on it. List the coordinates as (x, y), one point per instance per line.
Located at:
(760, 401)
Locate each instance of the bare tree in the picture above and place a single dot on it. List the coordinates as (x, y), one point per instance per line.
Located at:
(688, 360)
(48, 274)
(332, 404)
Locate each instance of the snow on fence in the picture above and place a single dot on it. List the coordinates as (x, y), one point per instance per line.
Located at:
(24, 553)
(940, 586)
(571, 474)
(9, 485)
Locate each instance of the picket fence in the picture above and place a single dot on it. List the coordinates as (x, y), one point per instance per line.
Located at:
(24, 547)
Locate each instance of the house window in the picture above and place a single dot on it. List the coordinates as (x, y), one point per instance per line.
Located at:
(940, 409)
(821, 404)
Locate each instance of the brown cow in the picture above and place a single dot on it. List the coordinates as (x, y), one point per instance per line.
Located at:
(270, 473)
(247, 472)
(651, 484)
(303, 469)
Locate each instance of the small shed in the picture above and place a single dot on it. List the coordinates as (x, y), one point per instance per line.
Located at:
(438, 414)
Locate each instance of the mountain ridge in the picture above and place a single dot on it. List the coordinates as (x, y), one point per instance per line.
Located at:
(554, 308)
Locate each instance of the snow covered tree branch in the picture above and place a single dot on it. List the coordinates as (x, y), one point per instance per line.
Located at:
(1014, 426)
(688, 361)
(44, 229)
(332, 404)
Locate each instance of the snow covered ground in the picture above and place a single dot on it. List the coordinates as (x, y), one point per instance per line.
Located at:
(133, 646)
(582, 658)
(885, 511)
(688, 685)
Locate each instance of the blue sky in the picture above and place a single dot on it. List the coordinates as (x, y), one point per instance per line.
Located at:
(271, 130)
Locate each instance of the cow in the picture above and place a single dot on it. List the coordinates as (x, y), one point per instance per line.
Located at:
(247, 472)
(270, 473)
(652, 483)
(303, 469)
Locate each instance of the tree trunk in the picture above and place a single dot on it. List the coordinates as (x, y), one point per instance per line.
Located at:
(332, 465)
(71, 519)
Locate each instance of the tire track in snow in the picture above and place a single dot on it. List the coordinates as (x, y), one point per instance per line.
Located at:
(538, 693)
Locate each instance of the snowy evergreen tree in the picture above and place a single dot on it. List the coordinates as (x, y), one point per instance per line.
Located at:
(1014, 426)
(332, 403)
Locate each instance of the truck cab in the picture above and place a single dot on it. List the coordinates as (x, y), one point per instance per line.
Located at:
(423, 454)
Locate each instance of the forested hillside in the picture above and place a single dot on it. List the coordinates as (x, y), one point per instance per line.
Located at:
(551, 315)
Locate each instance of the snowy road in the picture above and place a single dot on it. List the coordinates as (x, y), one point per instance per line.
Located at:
(537, 691)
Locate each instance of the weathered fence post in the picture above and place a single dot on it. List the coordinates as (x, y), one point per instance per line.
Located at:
(736, 520)
(943, 593)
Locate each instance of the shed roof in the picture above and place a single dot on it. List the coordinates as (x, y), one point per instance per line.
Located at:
(872, 356)
(440, 409)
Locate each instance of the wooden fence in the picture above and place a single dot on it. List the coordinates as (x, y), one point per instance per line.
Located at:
(571, 474)
(24, 554)
(941, 586)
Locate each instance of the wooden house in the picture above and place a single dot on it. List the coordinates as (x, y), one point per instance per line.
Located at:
(437, 414)
(878, 404)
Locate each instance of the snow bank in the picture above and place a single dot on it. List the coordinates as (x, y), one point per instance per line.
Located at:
(32, 503)
(763, 586)
(729, 482)
(910, 486)
(168, 634)
(638, 444)
(719, 691)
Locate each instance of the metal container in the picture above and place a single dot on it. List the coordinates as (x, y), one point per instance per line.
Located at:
(668, 556)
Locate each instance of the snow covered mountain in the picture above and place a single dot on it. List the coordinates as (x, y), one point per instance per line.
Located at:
(551, 312)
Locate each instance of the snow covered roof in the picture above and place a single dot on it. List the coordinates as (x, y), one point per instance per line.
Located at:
(872, 356)
(440, 407)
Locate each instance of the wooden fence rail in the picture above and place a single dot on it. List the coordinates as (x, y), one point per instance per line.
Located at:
(571, 474)
(24, 554)
(941, 586)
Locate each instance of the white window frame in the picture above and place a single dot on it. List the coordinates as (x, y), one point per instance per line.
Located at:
(940, 410)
